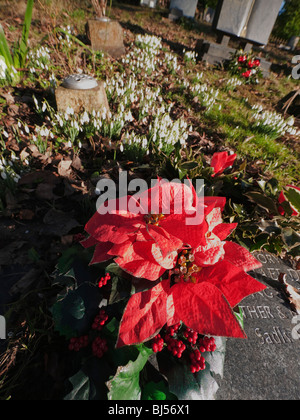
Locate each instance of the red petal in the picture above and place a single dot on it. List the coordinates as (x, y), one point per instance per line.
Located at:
(139, 261)
(203, 308)
(144, 315)
(89, 242)
(232, 281)
(224, 229)
(240, 257)
(212, 202)
(101, 252)
(193, 236)
(222, 160)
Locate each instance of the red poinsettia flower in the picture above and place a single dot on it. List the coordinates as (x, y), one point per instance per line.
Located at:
(221, 161)
(201, 290)
(247, 74)
(256, 63)
(282, 198)
(251, 64)
(242, 59)
(143, 242)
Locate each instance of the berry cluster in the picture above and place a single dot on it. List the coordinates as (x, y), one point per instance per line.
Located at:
(207, 344)
(103, 281)
(175, 346)
(100, 320)
(191, 335)
(197, 361)
(179, 339)
(99, 347)
(78, 343)
(157, 343)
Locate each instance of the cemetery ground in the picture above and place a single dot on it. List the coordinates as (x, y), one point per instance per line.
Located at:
(169, 114)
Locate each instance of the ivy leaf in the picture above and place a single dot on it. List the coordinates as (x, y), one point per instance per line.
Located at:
(74, 313)
(125, 384)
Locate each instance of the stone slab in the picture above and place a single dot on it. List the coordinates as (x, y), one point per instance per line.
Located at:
(213, 53)
(266, 366)
(252, 20)
(188, 7)
(79, 100)
(106, 36)
(149, 3)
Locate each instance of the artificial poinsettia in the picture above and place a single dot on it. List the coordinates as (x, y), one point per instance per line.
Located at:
(221, 161)
(145, 236)
(200, 291)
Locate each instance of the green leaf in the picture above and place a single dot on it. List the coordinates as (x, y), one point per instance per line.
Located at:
(125, 384)
(73, 315)
(201, 386)
(4, 48)
(67, 259)
(81, 387)
(290, 237)
(157, 391)
(263, 201)
(293, 196)
(188, 166)
(20, 54)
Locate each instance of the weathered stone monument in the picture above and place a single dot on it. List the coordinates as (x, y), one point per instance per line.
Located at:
(266, 366)
(106, 35)
(149, 3)
(186, 8)
(248, 21)
(81, 92)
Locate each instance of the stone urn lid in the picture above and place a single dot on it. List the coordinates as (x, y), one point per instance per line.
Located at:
(79, 82)
(103, 19)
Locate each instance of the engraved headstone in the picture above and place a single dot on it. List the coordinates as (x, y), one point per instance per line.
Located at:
(81, 92)
(106, 35)
(266, 366)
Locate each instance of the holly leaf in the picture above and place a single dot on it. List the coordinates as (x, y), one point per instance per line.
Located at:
(263, 201)
(293, 196)
(290, 237)
(125, 384)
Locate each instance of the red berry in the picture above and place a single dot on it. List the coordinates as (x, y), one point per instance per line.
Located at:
(99, 347)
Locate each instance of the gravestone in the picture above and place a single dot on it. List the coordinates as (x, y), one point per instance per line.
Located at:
(187, 7)
(266, 366)
(106, 35)
(248, 21)
(251, 20)
(149, 3)
(81, 92)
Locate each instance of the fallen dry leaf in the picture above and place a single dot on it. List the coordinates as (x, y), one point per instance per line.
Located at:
(64, 168)
(292, 293)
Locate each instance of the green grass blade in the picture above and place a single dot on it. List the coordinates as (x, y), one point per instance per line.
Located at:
(4, 48)
(20, 53)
